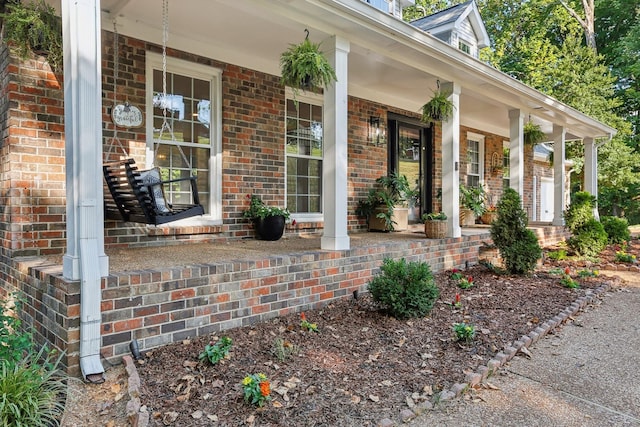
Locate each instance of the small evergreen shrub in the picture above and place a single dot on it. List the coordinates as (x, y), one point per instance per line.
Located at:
(580, 211)
(617, 229)
(404, 289)
(589, 240)
(518, 246)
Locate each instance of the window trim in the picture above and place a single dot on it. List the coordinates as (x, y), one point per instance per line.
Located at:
(314, 99)
(471, 136)
(214, 76)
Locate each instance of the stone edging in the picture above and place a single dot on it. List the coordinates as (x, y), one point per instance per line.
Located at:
(139, 417)
(483, 372)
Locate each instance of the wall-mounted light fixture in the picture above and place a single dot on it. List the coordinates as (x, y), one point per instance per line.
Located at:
(374, 129)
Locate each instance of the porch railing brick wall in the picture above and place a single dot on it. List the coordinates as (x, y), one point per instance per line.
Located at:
(174, 303)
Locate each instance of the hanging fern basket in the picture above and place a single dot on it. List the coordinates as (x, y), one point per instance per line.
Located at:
(304, 67)
(438, 109)
(532, 133)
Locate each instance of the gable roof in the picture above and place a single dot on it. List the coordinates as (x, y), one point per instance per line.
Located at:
(452, 17)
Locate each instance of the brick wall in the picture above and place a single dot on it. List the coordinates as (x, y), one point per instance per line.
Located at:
(157, 307)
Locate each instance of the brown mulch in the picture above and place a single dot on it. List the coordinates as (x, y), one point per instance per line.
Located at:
(362, 365)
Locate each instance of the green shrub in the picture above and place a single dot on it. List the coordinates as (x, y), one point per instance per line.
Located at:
(589, 240)
(580, 211)
(31, 394)
(558, 255)
(518, 246)
(404, 289)
(15, 344)
(617, 229)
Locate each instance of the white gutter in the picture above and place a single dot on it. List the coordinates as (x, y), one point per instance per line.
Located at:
(85, 258)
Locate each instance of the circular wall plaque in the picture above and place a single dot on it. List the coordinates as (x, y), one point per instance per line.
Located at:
(126, 115)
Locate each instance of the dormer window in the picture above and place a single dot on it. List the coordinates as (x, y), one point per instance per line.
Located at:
(464, 47)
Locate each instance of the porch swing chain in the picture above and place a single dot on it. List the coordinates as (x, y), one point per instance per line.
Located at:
(165, 122)
(116, 75)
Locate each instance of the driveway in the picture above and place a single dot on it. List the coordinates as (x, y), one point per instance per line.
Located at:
(587, 373)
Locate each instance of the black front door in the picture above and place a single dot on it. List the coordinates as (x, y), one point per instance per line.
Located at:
(411, 154)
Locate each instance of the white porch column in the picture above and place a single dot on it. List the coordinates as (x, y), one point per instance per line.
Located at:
(516, 151)
(559, 177)
(591, 170)
(451, 162)
(335, 162)
(85, 259)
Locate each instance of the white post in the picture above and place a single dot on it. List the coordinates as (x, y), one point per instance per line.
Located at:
(85, 259)
(516, 151)
(591, 171)
(451, 162)
(335, 164)
(559, 174)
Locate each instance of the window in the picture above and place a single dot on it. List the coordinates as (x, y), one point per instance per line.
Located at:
(475, 162)
(506, 183)
(464, 47)
(190, 142)
(304, 152)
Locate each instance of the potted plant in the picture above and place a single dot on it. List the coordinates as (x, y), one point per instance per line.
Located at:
(34, 27)
(435, 225)
(438, 109)
(532, 134)
(471, 203)
(386, 206)
(268, 221)
(305, 67)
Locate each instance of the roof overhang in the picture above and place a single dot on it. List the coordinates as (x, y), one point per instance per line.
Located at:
(390, 61)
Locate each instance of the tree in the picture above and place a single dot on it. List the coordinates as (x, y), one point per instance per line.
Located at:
(587, 22)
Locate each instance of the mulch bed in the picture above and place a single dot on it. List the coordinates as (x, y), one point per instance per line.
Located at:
(362, 365)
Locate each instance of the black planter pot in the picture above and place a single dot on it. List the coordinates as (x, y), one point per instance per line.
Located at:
(269, 228)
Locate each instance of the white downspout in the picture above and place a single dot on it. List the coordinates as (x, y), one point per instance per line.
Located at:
(85, 259)
(534, 216)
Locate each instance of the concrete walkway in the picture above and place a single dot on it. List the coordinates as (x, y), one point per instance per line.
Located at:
(587, 373)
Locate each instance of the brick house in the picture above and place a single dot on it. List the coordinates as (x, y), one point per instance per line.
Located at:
(241, 132)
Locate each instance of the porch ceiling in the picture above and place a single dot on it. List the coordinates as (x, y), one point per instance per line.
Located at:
(390, 61)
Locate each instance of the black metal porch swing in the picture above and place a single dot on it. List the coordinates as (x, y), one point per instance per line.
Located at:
(138, 195)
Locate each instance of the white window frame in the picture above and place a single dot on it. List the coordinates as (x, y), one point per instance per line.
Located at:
(315, 99)
(471, 136)
(214, 77)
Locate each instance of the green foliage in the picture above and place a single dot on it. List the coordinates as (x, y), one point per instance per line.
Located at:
(464, 331)
(15, 344)
(473, 197)
(588, 240)
(257, 389)
(258, 209)
(617, 229)
(532, 133)
(580, 211)
(283, 349)
(34, 27)
(518, 246)
(216, 352)
(390, 191)
(404, 289)
(438, 109)
(558, 255)
(304, 66)
(440, 216)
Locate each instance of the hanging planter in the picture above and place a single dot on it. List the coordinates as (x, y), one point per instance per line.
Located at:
(304, 67)
(438, 109)
(34, 27)
(532, 133)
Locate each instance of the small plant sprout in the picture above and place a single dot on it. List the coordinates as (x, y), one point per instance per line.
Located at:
(215, 352)
(305, 324)
(465, 282)
(284, 349)
(456, 274)
(567, 281)
(456, 301)
(588, 273)
(257, 389)
(623, 256)
(464, 331)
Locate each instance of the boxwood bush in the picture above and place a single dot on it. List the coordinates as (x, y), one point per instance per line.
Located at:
(589, 240)
(404, 289)
(617, 229)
